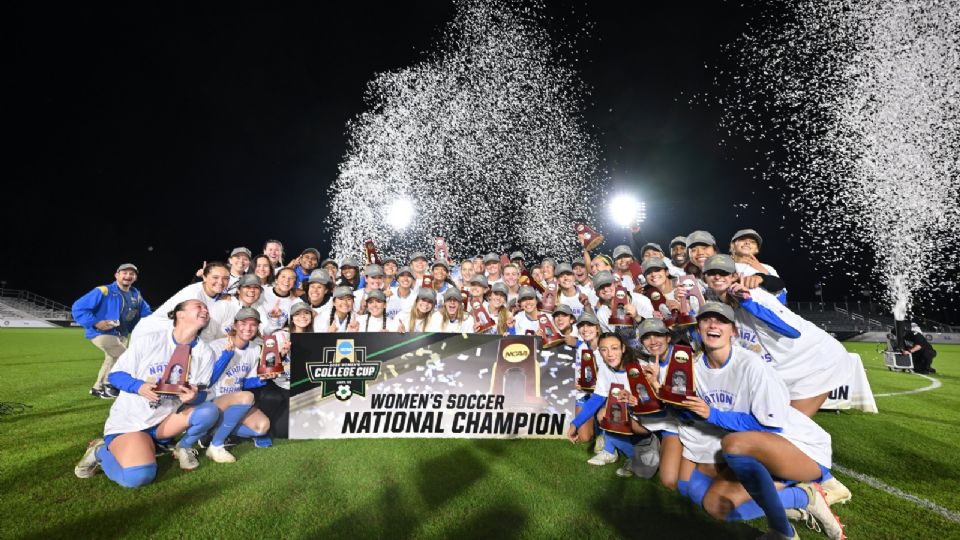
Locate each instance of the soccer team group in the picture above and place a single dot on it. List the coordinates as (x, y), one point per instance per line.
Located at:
(742, 446)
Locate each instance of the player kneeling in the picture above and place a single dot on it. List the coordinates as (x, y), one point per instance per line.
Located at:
(140, 418)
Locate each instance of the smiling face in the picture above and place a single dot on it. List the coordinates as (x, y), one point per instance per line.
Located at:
(316, 292)
(700, 253)
(528, 305)
(376, 307)
(348, 272)
(657, 278)
(678, 255)
(579, 272)
(588, 331)
(547, 270)
(451, 306)
(405, 281)
(419, 265)
(716, 331)
(216, 280)
(303, 318)
(562, 321)
(720, 281)
(656, 344)
(612, 351)
(125, 278)
(493, 269)
(566, 280)
(239, 264)
(331, 269)
(286, 279)
(309, 261)
(466, 270)
(249, 294)
(497, 300)
(746, 246)
(390, 268)
(273, 250)
(262, 269)
(375, 283)
(623, 263)
(246, 329)
(477, 291)
(193, 314)
(511, 275)
(424, 306)
(343, 305)
(439, 274)
(606, 292)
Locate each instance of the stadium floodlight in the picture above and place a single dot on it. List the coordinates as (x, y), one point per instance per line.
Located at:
(400, 213)
(627, 211)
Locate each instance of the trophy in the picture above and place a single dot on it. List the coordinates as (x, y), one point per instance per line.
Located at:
(637, 272)
(516, 372)
(481, 316)
(426, 282)
(270, 361)
(551, 336)
(371, 252)
(618, 311)
(175, 375)
(591, 238)
(647, 401)
(504, 260)
(684, 318)
(548, 299)
(616, 417)
(678, 382)
(440, 251)
(658, 299)
(588, 371)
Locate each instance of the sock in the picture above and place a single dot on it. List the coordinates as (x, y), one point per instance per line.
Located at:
(615, 441)
(824, 474)
(202, 418)
(683, 488)
(697, 487)
(759, 484)
(260, 440)
(231, 417)
(131, 477)
(790, 497)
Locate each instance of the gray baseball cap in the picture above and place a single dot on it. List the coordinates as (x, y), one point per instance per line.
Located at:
(427, 294)
(700, 237)
(391, 259)
(405, 270)
(526, 292)
(247, 313)
(622, 250)
(723, 263)
(418, 255)
(128, 266)
(717, 308)
(602, 279)
(329, 261)
(249, 280)
(563, 268)
(241, 251)
(310, 250)
(349, 261)
(650, 245)
(479, 279)
(747, 233)
(439, 262)
(652, 326)
(500, 287)
(373, 270)
(678, 240)
(652, 263)
(342, 291)
(452, 293)
(490, 258)
(588, 317)
(376, 294)
(579, 262)
(549, 261)
(320, 276)
(516, 255)
(299, 306)
(562, 309)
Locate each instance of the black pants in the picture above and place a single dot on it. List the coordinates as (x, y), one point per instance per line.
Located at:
(274, 402)
(922, 360)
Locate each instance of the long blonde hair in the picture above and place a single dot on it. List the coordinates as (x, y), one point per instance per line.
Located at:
(461, 314)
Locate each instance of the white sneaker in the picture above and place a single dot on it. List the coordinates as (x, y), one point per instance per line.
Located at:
(598, 443)
(88, 464)
(819, 509)
(187, 458)
(836, 492)
(220, 454)
(626, 471)
(603, 458)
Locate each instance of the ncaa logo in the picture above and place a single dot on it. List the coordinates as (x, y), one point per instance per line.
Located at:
(345, 348)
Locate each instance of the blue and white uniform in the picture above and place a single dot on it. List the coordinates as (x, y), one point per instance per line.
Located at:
(234, 371)
(397, 304)
(573, 302)
(439, 322)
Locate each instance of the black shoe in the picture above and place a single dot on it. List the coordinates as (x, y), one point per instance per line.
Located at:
(111, 390)
(96, 393)
(931, 370)
(204, 441)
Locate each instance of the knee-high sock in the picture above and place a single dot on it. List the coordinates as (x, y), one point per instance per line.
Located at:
(202, 418)
(131, 477)
(696, 487)
(790, 497)
(231, 418)
(615, 441)
(259, 439)
(759, 484)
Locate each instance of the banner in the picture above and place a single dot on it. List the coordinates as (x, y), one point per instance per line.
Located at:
(855, 394)
(435, 385)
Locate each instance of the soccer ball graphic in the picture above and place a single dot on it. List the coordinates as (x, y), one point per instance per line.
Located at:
(344, 392)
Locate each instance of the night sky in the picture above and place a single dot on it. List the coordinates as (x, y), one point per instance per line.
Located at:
(192, 130)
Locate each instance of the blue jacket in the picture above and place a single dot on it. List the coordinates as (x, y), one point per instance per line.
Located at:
(104, 303)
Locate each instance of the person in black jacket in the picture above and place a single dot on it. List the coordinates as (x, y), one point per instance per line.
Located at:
(923, 353)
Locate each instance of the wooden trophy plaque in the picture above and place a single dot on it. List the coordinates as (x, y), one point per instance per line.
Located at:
(548, 298)
(175, 375)
(504, 260)
(551, 336)
(636, 271)
(270, 360)
(657, 300)
(426, 282)
(591, 238)
(687, 315)
(678, 383)
(516, 372)
(481, 316)
(647, 401)
(618, 310)
(616, 416)
(587, 379)
(370, 251)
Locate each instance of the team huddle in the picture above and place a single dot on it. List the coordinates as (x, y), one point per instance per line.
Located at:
(703, 372)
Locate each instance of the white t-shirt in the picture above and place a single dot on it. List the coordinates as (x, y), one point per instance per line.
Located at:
(397, 304)
(270, 299)
(437, 324)
(523, 323)
(146, 359)
(321, 323)
(158, 320)
(404, 318)
(242, 366)
(373, 324)
(746, 270)
(573, 302)
(607, 376)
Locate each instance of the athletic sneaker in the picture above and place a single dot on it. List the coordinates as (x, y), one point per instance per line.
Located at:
(603, 458)
(111, 390)
(187, 458)
(836, 492)
(598, 443)
(96, 392)
(88, 464)
(220, 454)
(626, 471)
(818, 508)
(773, 534)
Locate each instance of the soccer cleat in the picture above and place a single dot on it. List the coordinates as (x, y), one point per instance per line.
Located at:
(96, 392)
(626, 471)
(819, 509)
(772, 534)
(204, 441)
(187, 458)
(836, 492)
(88, 464)
(220, 454)
(111, 390)
(603, 458)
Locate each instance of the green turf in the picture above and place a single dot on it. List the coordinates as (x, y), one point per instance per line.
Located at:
(428, 488)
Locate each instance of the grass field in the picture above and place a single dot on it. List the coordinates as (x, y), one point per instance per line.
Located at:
(430, 488)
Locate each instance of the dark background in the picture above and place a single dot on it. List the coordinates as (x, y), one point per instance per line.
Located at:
(166, 136)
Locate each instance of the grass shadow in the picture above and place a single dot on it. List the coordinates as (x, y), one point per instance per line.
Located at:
(444, 477)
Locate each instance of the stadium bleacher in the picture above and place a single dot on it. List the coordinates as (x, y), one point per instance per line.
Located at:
(24, 309)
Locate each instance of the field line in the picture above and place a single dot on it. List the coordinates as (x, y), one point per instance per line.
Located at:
(919, 501)
(934, 384)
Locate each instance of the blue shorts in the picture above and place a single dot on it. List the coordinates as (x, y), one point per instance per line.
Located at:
(152, 431)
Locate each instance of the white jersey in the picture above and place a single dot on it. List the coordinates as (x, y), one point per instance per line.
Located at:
(746, 270)
(397, 304)
(146, 359)
(573, 302)
(268, 324)
(159, 321)
(321, 323)
(810, 365)
(242, 366)
(437, 324)
(607, 376)
(270, 300)
(404, 319)
(373, 324)
(747, 384)
(522, 323)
